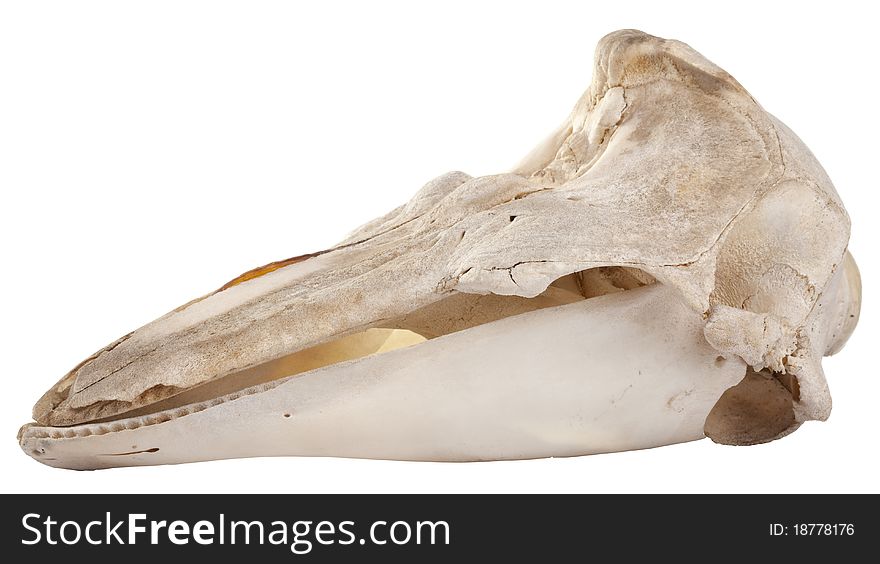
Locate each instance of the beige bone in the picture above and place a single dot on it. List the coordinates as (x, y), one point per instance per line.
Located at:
(601, 297)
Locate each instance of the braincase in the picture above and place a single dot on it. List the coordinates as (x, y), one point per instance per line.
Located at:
(666, 164)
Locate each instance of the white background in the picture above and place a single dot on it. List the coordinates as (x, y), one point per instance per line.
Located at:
(151, 151)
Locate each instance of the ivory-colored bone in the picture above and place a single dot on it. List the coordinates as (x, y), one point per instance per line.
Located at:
(624, 371)
(507, 316)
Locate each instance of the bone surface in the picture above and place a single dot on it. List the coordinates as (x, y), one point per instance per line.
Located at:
(670, 264)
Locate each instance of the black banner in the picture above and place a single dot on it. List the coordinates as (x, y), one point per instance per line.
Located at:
(408, 528)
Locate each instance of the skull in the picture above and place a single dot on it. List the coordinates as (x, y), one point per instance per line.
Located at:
(669, 264)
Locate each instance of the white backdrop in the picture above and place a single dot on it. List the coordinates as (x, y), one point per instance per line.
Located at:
(151, 151)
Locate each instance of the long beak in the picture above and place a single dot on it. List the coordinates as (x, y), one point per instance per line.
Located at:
(559, 381)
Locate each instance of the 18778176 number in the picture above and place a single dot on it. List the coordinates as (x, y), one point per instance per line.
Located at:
(824, 529)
